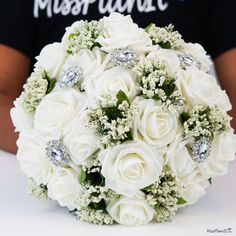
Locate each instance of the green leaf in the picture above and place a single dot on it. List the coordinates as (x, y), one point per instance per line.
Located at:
(121, 96)
(157, 206)
(181, 201)
(129, 137)
(69, 52)
(156, 97)
(148, 188)
(165, 45)
(211, 138)
(98, 205)
(169, 88)
(144, 96)
(82, 176)
(93, 178)
(210, 180)
(149, 27)
(112, 113)
(184, 116)
(71, 36)
(51, 82)
(96, 44)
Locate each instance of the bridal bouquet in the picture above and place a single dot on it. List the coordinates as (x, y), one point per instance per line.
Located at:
(122, 124)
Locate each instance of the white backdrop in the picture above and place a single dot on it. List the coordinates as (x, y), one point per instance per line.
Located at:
(21, 215)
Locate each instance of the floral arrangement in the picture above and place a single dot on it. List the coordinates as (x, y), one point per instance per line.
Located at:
(122, 124)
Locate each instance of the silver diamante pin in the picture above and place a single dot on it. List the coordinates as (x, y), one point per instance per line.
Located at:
(70, 76)
(201, 150)
(58, 153)
(187, 60)
(124, 57)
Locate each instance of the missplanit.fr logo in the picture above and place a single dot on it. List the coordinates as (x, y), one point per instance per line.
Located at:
(220, 230)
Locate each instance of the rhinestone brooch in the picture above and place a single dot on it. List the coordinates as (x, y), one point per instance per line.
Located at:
(124, 57)
(57, 153)
(70, 76)
(187, 60)
(201, 150)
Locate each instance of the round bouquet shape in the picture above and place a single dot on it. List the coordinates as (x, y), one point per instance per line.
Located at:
(122, 124)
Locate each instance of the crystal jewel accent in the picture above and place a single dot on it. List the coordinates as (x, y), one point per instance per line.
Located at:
(187, 60)
(201, 150)
(70, 76)
(124, 57)
(58, 153)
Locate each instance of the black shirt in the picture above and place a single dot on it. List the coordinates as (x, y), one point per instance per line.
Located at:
(28, 25)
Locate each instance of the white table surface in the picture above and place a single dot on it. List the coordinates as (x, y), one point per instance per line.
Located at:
(20, 215)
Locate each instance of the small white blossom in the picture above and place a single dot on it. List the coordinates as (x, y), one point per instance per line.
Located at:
(163, 196)
(90, 215)
(34, 90)
(206, 121)
(166, 37)
(83, 36)
(94, 194)
(112, 121)
(156, 82)
(37, 191)
(92, 165)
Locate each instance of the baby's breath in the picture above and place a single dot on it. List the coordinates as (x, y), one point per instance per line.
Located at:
(112, 120)
(89, 215)
(92, 165)
(94, 194)
(205, 122)
(166, 37)
(158, 83)
(37, 191)
(91, 204)
(84, 36)
(34, 91)
(164, 195)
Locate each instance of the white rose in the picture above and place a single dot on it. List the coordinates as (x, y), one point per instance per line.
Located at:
(167, 55)
(178, 157)
(198, 52)
(195, 187)
(131, 211)
(51, 59)
(64, 187)
(57, 110)
(154, 125)
(130, 167)
(81, 142)
(32, 157)
(223, 151)
(120, 32)
(112, 81)
(92, 63)
(199, 87)
(22, 120)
